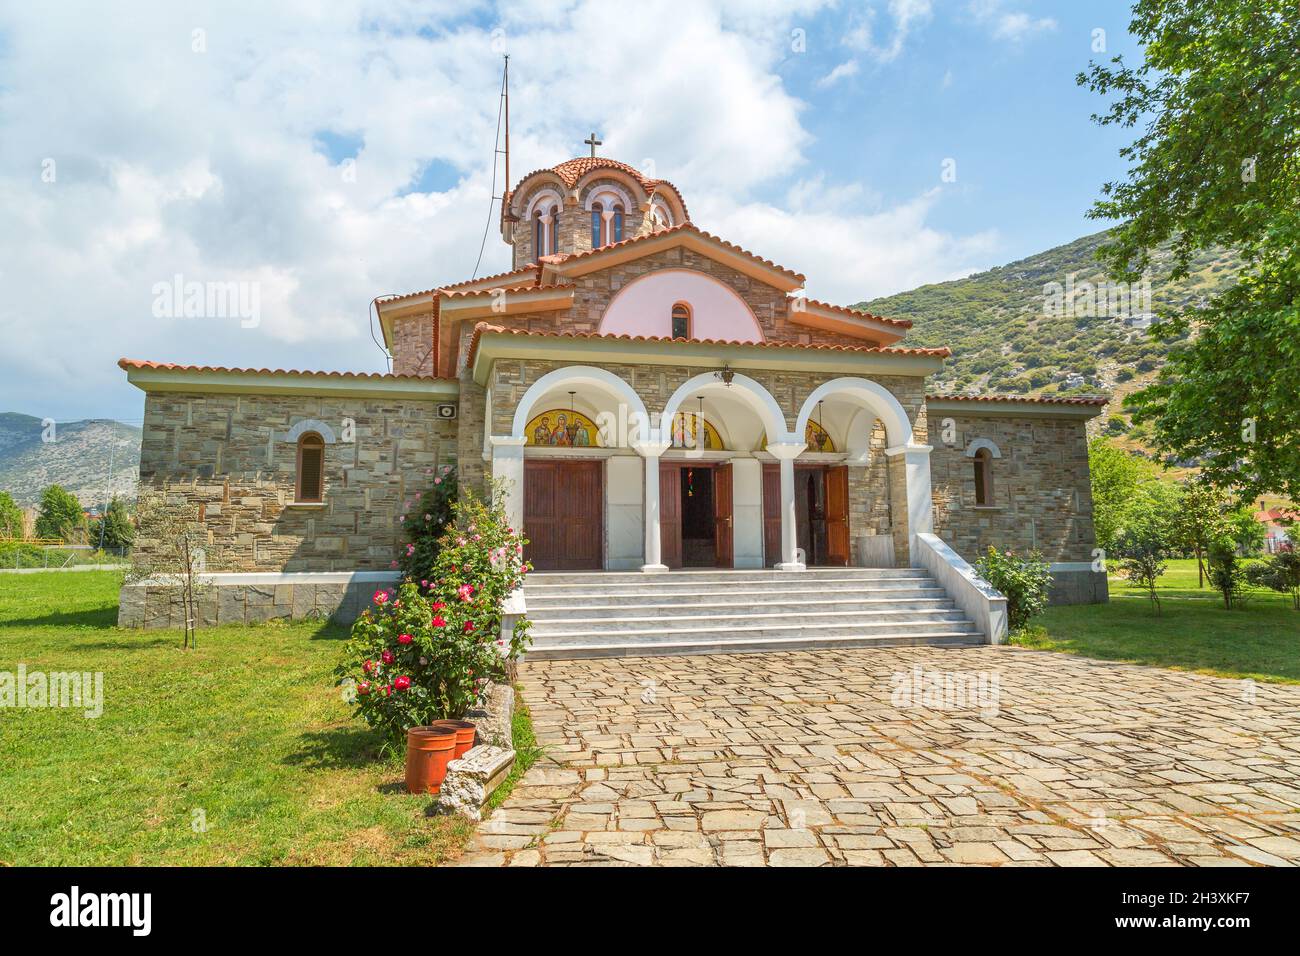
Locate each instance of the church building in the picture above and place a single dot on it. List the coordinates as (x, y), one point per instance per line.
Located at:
(654, 397)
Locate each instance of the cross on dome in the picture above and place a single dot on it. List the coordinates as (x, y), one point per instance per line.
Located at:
(593, 143)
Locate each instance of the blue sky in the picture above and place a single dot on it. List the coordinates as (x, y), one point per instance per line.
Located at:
(324, 155)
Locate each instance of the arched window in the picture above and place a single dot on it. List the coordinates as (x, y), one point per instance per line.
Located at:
(618, 223)
(311, 468)
(681, 321)
(597, 217)
(983, 464)
(539, 235)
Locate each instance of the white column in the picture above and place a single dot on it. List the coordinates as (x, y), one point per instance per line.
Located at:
(786, 452)
(920, 508)
(650, 450)
(607, 227)
(508, 467)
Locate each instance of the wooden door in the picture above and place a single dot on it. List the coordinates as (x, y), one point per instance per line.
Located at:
(724, 554)
(670, 514)
(837, 515)
(564, 504)
(771, 514)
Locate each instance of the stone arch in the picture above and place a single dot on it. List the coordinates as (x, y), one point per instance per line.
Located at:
(547, 192)
(614, 190)
(637, 417)
(749, 391)
(868, 394)
(310, 425)
(976, 444)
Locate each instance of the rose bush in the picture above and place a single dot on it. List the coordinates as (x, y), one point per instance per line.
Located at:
(1024, 581)
(427, 650)
(424, 524)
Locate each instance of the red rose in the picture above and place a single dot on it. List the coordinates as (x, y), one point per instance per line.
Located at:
(387, 656)
(402, 683)
(438, 621)
(438, 605)
(363, 688)
(469, 626)
(404, 638)
(368, 666)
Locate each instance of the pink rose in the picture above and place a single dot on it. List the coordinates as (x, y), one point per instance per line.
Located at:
(380, 597)
(465, 592)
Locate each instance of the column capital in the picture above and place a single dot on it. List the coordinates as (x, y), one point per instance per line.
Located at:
(913, 450)
(786, 450)
(511, 446)
(650, 447)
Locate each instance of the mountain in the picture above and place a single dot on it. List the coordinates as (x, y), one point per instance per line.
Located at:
(1052, 324)
(78, 457)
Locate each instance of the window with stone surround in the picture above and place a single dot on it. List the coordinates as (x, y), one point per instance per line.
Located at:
(597, 216)
(982, 462)
(310, 485)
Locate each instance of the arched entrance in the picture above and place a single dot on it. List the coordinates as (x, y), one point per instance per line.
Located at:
(908, 461)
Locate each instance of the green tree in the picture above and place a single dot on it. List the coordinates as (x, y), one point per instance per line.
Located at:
(115, 529)
(60, 515)
(1280, 572)
(11, 517)
(1216, 103)
(1246, 533)
(1147, 536)
(1200, 521)
(1116, 477)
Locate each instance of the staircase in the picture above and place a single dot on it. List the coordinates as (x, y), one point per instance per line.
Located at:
(630, 614)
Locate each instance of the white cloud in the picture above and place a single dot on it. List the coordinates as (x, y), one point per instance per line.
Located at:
(206, 164)
(1011, 25)
(843, 71)
(905, 14)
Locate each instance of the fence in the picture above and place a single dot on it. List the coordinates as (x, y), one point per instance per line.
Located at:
(27, 554)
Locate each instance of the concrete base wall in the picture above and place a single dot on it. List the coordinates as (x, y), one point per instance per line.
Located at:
(1073, 586)
(254, 599)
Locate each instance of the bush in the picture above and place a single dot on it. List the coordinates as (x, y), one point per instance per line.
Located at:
(1278, 572)
(1227, 575)
(428, 650)
(1023, 581)
(424, 525)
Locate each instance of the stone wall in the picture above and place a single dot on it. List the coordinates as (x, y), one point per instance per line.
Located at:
(413, 351)
(229, 455)
(1042, 497)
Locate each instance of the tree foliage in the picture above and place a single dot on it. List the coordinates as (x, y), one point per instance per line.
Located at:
(1216, 105)
(1116, 476)
(60, 515)
(11, 517)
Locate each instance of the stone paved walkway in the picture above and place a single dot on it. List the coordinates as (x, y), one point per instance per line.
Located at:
(803, 758)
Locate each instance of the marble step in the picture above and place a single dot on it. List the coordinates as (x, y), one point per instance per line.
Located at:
(831, 629)
(551, 609)
(900, 587)
(749, 644)
(720, 575)
(801, 618)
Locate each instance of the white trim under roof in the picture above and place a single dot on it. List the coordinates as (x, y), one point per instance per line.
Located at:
(252, 382)
(1004, 408)
(623, 351)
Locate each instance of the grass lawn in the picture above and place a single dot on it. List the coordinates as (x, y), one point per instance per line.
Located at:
(1191, 632)
(246, 731)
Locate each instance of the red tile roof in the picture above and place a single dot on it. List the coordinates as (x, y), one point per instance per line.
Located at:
(485, 327)
(514, 288)
(565, 259)
(1070, 400)
(859, 314)
(128, 364)
(572, 170)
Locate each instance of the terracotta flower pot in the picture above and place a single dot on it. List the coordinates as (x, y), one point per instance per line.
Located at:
(464, 734)
(428, 751)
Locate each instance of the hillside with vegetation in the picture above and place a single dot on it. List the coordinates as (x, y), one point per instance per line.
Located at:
(1012, 331)
(95, 459)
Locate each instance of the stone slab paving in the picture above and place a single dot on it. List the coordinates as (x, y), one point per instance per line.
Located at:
(820, 758)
